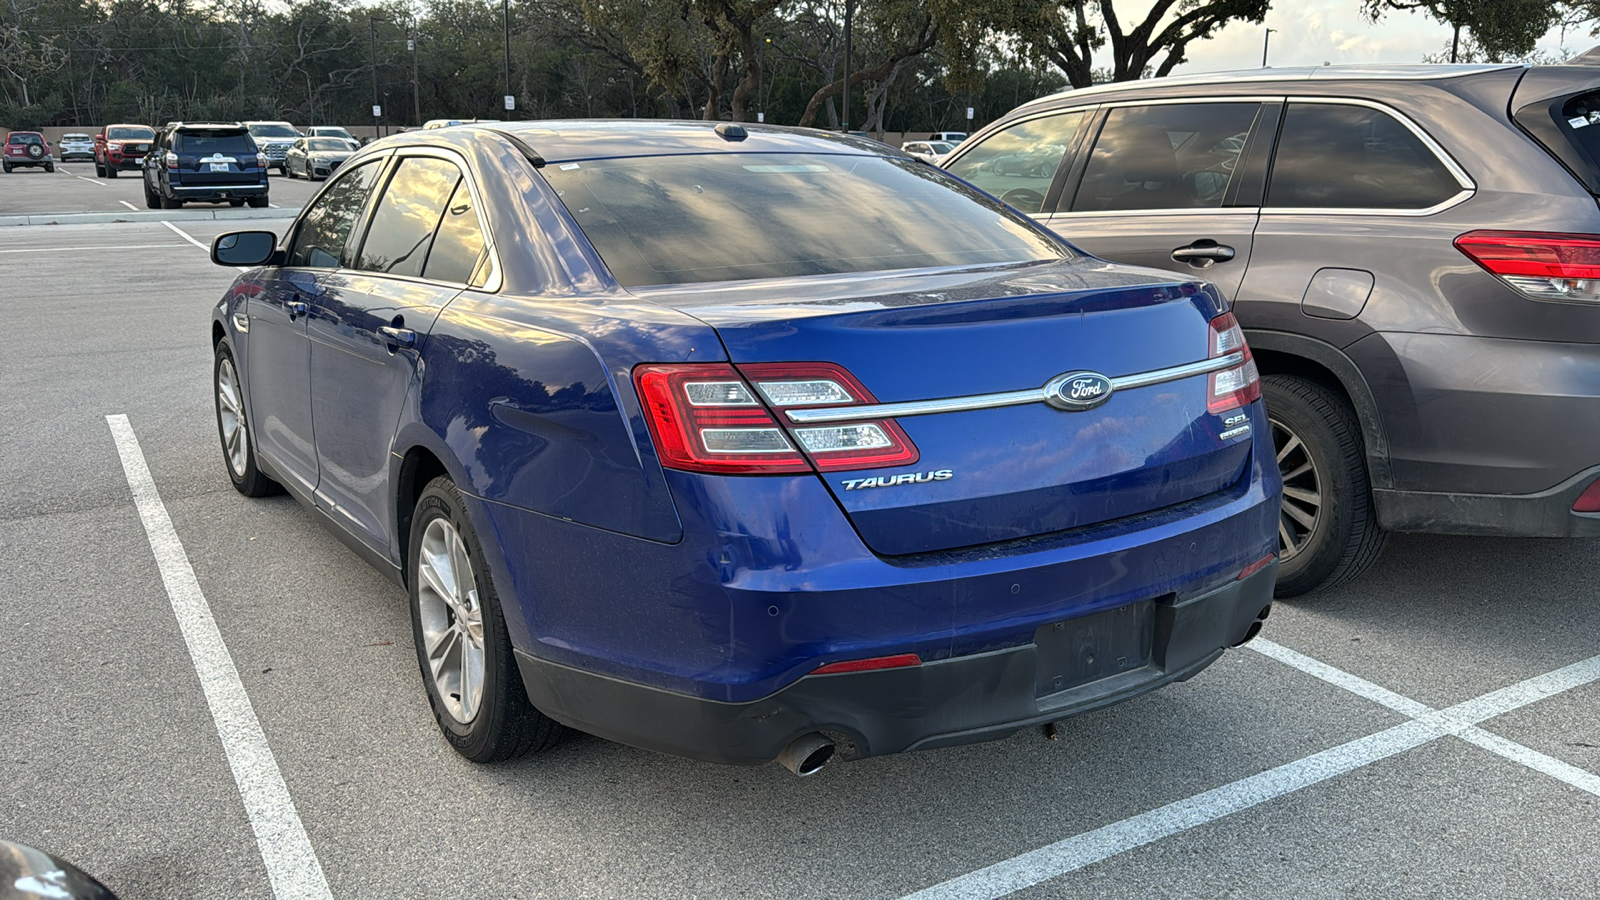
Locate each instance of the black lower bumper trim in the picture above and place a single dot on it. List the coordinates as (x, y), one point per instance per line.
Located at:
(938, 704)
(1545, 514)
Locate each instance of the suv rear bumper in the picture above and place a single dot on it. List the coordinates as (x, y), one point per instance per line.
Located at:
(954, 701)
(218, 192)
(1544, 514)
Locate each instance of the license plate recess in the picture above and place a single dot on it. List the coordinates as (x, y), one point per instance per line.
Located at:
(1075, 652)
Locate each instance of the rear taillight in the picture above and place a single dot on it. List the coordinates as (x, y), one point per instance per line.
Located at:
(1589, 500)
(713, 418)
(1541, 265)
(171, 160)
(870, 444)
(261, 160)
(1238, 385)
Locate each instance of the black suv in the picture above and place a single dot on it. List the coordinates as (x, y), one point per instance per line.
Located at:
(1414, 254)
(206, 161)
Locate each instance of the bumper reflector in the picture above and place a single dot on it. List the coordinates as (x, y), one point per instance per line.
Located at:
(1257, 566)
(898, 661)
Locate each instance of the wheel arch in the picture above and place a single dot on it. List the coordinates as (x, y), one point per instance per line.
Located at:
(1282, 353)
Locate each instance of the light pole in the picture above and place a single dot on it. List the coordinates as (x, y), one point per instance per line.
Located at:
(377, 111)
(849, 13)
(416, 93)
(1266, 39)
(505, 9)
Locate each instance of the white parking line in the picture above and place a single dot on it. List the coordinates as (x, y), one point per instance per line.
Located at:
(90, 180)
(1427, 724)
(291, 862)
(185, 235)
(129, 205)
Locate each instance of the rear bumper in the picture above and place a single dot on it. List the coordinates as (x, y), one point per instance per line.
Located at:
(218, 192)
(1544, 514)
(960, 700)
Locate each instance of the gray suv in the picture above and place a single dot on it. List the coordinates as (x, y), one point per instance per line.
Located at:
(1414, 253)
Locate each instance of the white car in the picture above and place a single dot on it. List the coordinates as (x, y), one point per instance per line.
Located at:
(954, 137)
(928, 151)
(330, 131)
(75, 146)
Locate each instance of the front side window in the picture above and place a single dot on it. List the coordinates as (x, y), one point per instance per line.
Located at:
(1019, 163)
(325, 227)
(732, 216)
(1354, 157)
(407, 216)
(1165, 156)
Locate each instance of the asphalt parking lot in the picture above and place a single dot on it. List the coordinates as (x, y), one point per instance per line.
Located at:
(1432, 730)
(73, 188)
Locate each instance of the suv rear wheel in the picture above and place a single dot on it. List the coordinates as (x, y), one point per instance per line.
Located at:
(1327, 530)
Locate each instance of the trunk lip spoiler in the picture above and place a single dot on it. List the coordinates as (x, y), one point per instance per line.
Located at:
(1004, 398)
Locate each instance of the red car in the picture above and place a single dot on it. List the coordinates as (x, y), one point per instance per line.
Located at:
(119, 147)
(27, 148)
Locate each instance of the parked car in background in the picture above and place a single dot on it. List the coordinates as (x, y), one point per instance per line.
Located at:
(75, 146)
(27, 149)
(745, 443)
(118, 147)
(954, 137)
(928, 151)
(317, 158)
(447, 123)
(274, 139)
(1412, 252)
(211, 162)
(332, 131)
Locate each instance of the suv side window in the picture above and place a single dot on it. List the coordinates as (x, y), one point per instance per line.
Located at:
(1342, 156)
(407, 216)
(326, 226)
(1165, 156)
(1019, 163)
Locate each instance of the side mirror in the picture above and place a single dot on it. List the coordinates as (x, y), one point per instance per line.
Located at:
(27, 872)
(244, 248)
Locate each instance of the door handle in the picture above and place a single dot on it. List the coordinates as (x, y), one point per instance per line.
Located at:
(398, 337)
(296, 308)
(1203, 253)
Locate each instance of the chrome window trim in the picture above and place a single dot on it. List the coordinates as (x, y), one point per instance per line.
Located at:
(1007, 398)
(1185, 211)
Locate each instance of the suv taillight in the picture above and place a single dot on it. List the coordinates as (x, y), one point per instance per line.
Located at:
(1234, 386)
(171, 160)
(708, 418)
(1545, 266)
(261, 160)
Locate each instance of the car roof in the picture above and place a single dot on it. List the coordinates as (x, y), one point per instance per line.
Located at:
(577, 139)
(1429, 72)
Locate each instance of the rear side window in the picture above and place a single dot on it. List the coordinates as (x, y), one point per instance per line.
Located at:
(459, 244)
(407, 216)
(1338, 156)
(326, 225)
(1165, 156)
(1019, 163)
(205, 143)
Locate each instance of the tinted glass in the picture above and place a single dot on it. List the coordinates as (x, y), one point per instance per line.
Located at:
(205, 143)
(1354, 157)
(275, 131)
(407, 216)
(327, 145)
(1018, 164)
(326, 225)
(730, 216)
(131, 133)
(459, 243)
(75, 138)
(26, 139)
(1177, 156)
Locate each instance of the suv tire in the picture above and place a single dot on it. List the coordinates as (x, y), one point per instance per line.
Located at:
(257, 202)
(6, 167)
(111, 171)
(500, 723)
(49, 167)
(151, 201)
(170, 202)
(1328, 531)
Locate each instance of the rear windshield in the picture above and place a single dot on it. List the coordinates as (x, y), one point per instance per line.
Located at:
(26, 139)
(131, 133)
(273, 131)
(733, 216)
(205, 143)
(74, 137)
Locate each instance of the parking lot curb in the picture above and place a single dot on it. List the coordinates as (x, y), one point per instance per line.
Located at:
(163, 215)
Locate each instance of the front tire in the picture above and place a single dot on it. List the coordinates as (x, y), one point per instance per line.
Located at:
(233, 427)
(1328, 531)
(462, 645)
(111, 171)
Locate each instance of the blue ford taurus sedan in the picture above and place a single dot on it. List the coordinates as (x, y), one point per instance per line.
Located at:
(747, 443)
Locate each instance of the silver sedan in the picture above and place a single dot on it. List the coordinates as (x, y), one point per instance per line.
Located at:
(317, 158)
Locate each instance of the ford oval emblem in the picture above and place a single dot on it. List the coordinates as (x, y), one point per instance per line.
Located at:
(1076, 391)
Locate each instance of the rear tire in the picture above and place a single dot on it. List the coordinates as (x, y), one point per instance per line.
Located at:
(1328, 532)
(5, 167)
(99, 170)
(151, 201)
(233, 428)
(170, 202)
(49, 168)
(257, 202)
(236, 203)
(455, 613)
(111, 171)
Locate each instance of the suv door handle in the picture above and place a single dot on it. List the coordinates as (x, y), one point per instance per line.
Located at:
(1203, 253)
(402, 337)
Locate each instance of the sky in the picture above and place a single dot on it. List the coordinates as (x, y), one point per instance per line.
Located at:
(1312, 32)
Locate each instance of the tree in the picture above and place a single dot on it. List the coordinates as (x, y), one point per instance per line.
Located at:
(1070, 34)
(1500, 29)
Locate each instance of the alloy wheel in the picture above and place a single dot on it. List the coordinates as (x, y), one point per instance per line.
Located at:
(1302, 491)
(230, 418)
(452, 619)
